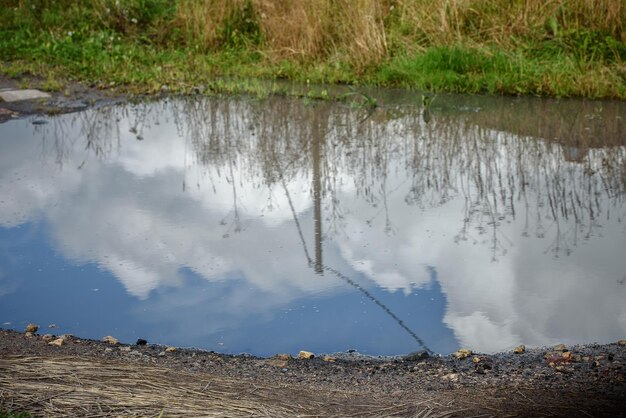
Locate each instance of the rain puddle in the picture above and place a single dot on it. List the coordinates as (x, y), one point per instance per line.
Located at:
(278, 225)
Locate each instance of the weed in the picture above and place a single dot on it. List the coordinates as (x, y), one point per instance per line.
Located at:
(555, 48)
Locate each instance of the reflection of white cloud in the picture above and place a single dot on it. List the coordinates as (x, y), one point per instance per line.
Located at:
(130, 215)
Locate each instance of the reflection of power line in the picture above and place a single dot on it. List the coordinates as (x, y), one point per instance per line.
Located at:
(320, 266)
(382, 306)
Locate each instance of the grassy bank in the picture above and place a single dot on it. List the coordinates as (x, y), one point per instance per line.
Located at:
(536, 47)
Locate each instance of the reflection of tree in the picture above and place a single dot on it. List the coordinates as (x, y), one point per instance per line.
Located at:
(562, 188)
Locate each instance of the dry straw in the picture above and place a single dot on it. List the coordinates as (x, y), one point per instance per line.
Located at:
(366, 31)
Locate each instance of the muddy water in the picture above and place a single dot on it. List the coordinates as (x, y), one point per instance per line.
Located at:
(276, 225)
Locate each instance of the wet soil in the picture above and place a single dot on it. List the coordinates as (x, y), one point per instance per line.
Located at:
(36, 376)
(73, 97)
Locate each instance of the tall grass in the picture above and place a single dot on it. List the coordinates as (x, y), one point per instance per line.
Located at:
(364, 32)
(544, 47)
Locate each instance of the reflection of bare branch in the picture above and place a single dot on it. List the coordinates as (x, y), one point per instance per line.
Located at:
(473, 157)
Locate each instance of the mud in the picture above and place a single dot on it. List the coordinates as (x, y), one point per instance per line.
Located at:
(583, 380)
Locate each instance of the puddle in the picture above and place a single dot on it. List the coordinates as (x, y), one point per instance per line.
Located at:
(282, 225)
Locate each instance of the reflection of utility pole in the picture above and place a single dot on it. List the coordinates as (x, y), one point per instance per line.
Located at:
(317, 196)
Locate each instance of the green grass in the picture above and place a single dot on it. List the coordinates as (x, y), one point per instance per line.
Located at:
(135, 47)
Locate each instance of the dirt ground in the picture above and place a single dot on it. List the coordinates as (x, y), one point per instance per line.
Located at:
(95, 378)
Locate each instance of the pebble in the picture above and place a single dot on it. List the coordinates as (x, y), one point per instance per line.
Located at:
(621, 342)
(170, 349)
(110, 340)
(559, 347)
(141, 341)
(48, 337)
(58, 342)
(453, 377)
(31, 328)
(520, 349)
(462, 353)
(125, 349)
(284, 357)
(305, 355)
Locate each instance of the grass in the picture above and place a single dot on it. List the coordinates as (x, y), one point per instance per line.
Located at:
(546, 48)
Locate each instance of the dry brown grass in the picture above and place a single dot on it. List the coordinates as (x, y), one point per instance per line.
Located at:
(363, 29)
(71, 386)
(447, 21)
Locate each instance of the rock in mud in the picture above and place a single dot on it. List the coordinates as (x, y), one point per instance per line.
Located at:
(110, 340)
(520, 349)
(58, 342)
(306, 355)
(462, 353)
(31, 328)
(453, 377)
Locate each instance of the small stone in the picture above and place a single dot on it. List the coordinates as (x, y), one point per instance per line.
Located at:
(141, 341)
(520, 349)
(162, 353)
(453, 377)
(29, 335)
(48, 337)
(108, 350)
(563, 369)
(329, 359)
(19, 95)
(170, 349)
(125, 349)
(621, 342)
(559, 347)
(305, 355)
(558, 357)
(462, 353)
(476, 359)
(58, 342)
(67, 337)
(284, 357)
(110, 340)
(31, 328)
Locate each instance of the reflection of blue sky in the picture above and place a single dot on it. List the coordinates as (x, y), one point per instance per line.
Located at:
(170, 265)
